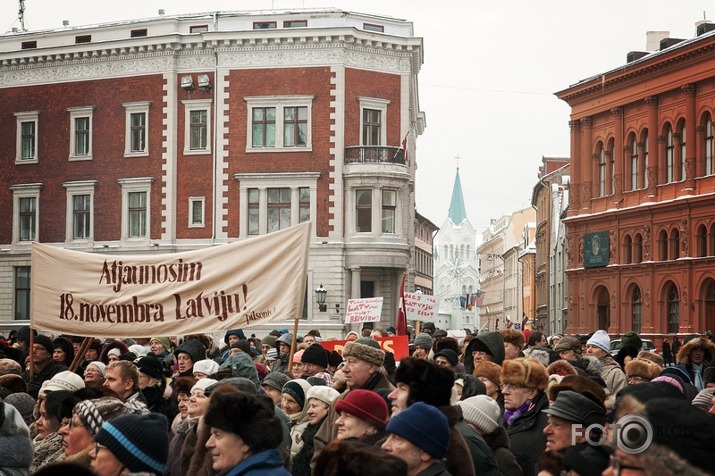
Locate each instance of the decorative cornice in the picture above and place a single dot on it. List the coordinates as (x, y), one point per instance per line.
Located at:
(689, 89)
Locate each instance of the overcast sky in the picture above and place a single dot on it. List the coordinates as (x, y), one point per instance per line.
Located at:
(487, 83)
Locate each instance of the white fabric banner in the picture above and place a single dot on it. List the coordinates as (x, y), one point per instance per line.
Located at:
(224, 287)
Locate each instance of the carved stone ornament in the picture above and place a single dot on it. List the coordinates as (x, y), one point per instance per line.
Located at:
(582, 302)
(646, 298)
(684, 237)
(685, 296)
(618, 184)
(586, 193)
(613, 300)
(612, 245)
(646, 243)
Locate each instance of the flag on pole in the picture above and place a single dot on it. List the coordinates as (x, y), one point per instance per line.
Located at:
(480, 298)
(402, 151)
(401, 322)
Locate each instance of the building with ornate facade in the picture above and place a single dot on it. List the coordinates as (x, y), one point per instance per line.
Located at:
(425, 232)
(641, 218)
(181, 132)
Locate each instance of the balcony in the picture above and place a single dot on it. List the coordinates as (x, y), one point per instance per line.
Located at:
(374, 154)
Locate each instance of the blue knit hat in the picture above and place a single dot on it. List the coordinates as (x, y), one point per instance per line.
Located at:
(139, 442)
(424, 426)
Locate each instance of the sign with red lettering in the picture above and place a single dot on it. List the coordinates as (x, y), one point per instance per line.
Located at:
(363, 310)
(398, 345)
(421, 307)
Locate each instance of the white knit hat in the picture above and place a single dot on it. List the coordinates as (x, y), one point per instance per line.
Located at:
(601, 340)
(114, 351)
(100, 366)
(203, 384)
(206, 366)
(481, 411)
(323, 393)
(65, 380)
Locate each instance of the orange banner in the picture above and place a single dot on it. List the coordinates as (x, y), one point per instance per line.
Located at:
(398, 345)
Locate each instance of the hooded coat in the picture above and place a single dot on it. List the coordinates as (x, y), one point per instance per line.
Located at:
(115, 344)
(493, 341)
(683, 357)
(196, 351)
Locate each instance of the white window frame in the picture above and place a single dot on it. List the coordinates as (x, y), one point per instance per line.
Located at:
(79, 187)
(76, 113)
(29, 190)
(29, 116)
(279, 102)
(377, 104)
(136, 108)
(193, 200)
(263, 182)
(189, 107)
(130, 185)
(351, 205)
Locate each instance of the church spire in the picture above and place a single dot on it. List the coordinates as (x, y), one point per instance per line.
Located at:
(457, 212)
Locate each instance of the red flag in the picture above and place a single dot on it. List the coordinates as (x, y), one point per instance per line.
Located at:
(403, 149)
(401, 323)
(480, 298)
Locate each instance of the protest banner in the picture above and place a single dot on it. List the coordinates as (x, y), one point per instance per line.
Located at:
(241, 284)
(421, 307)
(363, 310)
(398, 345)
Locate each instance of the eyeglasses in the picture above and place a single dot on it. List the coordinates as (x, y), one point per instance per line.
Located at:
(91, 371)
(510, 388)
(479, 353)
(617, 466)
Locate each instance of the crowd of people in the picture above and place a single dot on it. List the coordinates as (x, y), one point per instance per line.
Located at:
(503, 402)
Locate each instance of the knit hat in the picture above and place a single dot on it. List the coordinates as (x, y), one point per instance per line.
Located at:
(424, 426)
(269, 340)
(325, 394)
(365, 349)
(242, 345)
(631, 339)
(365, 405)
(93, 413)
(524, 372)
(23, 402)
(577, 408)
(276, 380)
(448, 354)
(206, 366)
(601, 340)
(490, 371)
(203, 384)
(645, 369)
(315, 354)
(481, 411)
(9, 366)
(16, 452)
(99, 365)
(163, 341)
(424, 340)
(65, 380)
(139, 442)
(271, 355)
(569, 343)
(298, 357)
(45, 342)
(150, 366)
(512, 336)
(296, 388)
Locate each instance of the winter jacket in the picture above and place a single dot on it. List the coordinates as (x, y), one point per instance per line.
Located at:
(683, 357)
(50, 370)
(485, 464)
(194, 348)
(613, 375)
(435, 469)
(173, 465)
(492, 341)
(526, 434)
(498, 441)
(265, 463)
(301, 461)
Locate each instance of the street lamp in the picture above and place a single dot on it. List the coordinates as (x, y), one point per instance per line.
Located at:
(320, 294)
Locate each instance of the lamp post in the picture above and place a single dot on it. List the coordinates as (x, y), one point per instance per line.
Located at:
(320, 294)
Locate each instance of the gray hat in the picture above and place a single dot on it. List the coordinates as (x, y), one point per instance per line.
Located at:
(577, 408)
(569, 343)
(276, 380)
(424, 340)
(23, 403)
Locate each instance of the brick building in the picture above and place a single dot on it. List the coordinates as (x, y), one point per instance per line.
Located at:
(180, 132)
(641, 226)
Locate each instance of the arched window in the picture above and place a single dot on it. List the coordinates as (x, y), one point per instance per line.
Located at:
(636, 309)
(611, 167)
(601, 170)
(644, 140)
(628, 250)
(709, 144)
(674, 244)
(669, 154)
(637, 248)
(634, 162)
(681, 155)
(673, 308)
(663, 245)
(701, 245)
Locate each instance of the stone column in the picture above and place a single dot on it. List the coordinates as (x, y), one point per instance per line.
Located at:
(618, 160)
(575, 188)
(587, 158)
(689, 91)
(653, 153)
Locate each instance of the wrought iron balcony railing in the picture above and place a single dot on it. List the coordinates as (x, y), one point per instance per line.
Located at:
(373, 154)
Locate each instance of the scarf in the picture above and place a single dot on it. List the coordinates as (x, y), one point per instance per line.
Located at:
(510, 416)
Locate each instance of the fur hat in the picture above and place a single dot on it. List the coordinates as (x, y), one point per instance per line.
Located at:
(446, 343)
(578, 384)
(490, 371)
(24, 404)
(524, 372)
(325, 394)
(655, 358)
(424, 426)
(139, 442)
(481, 411)
(561, 367)
(206, 366)
(9, 366)
(424, 340)
(683, 356)
(13, 383)
(93, 413)
(365, 405)
(512, 336)
(428, 382)
(642, 368)
(65, 380)
(365, 349)
(184, 385)
(315, 354)
(276, 380)
(601, 340)
(251, 417)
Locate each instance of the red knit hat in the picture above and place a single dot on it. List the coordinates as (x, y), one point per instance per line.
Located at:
(365, 405)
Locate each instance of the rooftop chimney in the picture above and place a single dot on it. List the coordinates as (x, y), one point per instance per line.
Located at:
(65, 23)
(703, 26)
(161, 12)
(653, 39)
